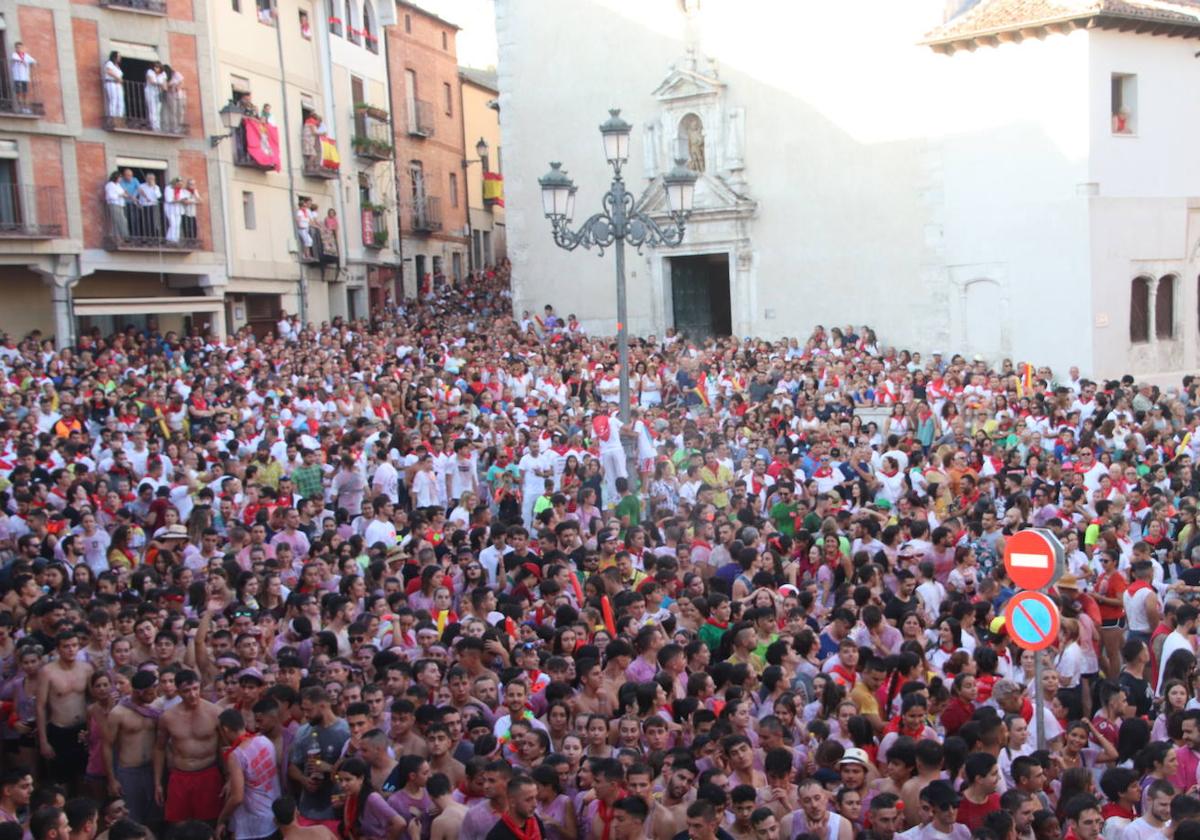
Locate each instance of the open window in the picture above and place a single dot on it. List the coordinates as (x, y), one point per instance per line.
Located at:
(1124, 104)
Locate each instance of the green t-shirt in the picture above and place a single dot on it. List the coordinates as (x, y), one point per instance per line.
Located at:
(630, 506)
(783, 515)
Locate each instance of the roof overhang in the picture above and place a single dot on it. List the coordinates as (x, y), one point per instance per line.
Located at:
(1040, 29)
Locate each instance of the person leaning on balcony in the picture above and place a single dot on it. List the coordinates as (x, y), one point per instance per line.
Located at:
(302, 229)
(173, 208)
(114, 205)
(156, 80)
(149, 195)
(190, 203)
(21, 65)
(174, 100)
(114, 86)
(130, 183)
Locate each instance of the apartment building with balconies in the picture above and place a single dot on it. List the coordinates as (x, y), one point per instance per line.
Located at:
(362, 118)
(89, 89)
(280, 161)
(429, 151)
(484, 173)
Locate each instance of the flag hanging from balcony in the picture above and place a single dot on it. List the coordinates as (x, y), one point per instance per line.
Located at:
(330, 159)
(493, 188)
(262, 142)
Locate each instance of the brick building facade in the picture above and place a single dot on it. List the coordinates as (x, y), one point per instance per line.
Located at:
(427, 125)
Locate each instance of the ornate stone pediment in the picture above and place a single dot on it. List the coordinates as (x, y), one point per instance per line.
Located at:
(713, 197)
(688, 85)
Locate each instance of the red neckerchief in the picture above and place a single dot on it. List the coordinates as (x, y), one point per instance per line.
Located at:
(1112, 809)
(605, 812)
(720, 625)
(531, 830)
(823, 472)
(849, 676)
(237, 742)
(350, 815)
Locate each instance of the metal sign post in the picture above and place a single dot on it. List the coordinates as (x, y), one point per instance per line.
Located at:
(1039, 709)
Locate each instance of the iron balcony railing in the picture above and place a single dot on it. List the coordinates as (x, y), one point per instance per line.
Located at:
(426, 214)
(420, 119)
(30, 212)
(372, 139)
(21, 99)
(131, 227)
(144, 108)
(149, 7)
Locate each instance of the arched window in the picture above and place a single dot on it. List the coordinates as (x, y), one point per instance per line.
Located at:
(369, 30)
(1139, 310)
(1164, 307)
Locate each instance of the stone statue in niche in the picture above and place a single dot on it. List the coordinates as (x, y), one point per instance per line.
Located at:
(691, 136)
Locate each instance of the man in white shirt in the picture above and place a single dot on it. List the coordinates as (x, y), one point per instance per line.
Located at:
(148, 196)
(21, 67)
(1181, 638)
(534, 471)
(381, 529)
(114, 202)
(1152, 824)
(386, 480)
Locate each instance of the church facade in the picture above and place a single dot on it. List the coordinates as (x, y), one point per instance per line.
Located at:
(1008, 178)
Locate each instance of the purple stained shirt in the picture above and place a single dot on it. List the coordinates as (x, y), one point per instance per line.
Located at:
(640, 670)
(376, 818)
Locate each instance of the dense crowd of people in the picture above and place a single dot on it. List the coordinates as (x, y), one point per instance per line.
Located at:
(418, 577)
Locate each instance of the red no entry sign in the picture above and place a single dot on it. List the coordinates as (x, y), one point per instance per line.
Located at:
(1033, 558)
(1032, 620)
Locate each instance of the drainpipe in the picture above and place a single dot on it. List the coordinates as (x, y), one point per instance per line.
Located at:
(291, 175)
(466, 168)
(397, 293)
(326, 51)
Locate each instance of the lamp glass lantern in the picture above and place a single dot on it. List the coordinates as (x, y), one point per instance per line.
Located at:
(615, 132)
(557, 192)
(680, 184)
(481, 149)
(230, 115)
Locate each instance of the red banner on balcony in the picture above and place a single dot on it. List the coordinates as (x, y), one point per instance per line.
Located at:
(493, 188)
(262, 142)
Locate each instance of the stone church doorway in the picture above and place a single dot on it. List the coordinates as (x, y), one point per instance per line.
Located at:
(700, 296)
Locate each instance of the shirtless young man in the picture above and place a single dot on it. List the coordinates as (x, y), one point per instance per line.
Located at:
(284, 811)
(449, 813)
(679, 792)
(189, 731)
(814, 815)
(129, 734)
(592, 699)
(61, 710)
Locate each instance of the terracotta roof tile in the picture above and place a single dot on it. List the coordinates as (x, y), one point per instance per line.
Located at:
(991, 16)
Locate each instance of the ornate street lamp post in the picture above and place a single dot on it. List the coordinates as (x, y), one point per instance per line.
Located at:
(619, 222)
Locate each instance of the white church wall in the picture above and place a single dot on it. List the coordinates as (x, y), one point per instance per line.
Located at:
(1015, 165)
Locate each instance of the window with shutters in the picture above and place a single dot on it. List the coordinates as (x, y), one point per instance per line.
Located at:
(1139, 310)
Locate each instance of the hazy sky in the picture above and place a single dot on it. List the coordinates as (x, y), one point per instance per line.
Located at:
(477, 40)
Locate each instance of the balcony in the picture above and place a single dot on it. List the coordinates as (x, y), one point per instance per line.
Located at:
(374, 227)
(29, 212)
(145, 7)
(22, 99)
(420, 119)
(318, 153)
(426, 214)
(372, 139)
(133, 228)
(313, 168)
(137, 108)
(265, 157)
